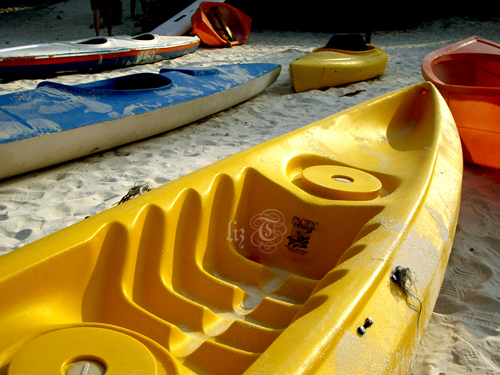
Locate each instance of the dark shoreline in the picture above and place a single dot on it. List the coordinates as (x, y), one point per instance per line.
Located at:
(321, 16)
(8, 6)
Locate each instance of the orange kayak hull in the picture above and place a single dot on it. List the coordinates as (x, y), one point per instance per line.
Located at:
(467, 74)
(220, 24)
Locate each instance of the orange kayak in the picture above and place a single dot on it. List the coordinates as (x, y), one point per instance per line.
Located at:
(467, 74)
(220, 24)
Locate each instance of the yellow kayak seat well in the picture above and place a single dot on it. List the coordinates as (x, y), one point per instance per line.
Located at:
(282, 259)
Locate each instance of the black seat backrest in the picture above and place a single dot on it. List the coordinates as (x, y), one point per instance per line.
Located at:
(347, 42)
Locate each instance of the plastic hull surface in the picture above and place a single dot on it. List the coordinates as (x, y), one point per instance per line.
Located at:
(180, 24)
(330, 67)
(55, 123)
(220, 24)
(467, 74)
(261, 263)
(98, 53)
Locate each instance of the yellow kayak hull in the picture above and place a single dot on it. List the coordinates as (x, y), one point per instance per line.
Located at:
(326, 67)
(267, 262)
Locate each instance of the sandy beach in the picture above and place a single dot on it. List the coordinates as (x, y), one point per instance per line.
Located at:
(463, 336)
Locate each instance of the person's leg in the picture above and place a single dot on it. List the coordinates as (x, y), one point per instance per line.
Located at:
(97, 20)
(144, 7)
(132, 8)
(109, 21)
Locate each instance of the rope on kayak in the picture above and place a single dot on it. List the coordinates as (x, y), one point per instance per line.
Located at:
(403, 277)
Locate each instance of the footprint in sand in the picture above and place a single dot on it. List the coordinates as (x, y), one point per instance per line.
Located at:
(467, 356)
(462, 282)
(488, 320)
(3, 215)
(23, 234)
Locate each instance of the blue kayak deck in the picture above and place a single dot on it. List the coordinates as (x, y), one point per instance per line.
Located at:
(54, 107)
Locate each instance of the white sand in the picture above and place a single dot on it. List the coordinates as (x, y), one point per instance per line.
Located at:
(464, 334)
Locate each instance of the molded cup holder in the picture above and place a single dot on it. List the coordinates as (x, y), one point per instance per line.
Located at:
(340, 183)
(91, 350)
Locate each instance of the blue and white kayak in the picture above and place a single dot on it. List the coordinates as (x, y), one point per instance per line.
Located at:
(98, 53)
(55, 123)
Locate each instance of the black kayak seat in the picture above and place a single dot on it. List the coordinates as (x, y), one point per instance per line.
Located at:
(347, 42)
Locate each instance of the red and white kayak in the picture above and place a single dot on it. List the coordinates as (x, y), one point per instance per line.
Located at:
(97, 53)
(180, 24)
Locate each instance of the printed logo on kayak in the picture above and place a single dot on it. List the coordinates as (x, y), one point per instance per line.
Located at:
(268, 231)
(302, 229)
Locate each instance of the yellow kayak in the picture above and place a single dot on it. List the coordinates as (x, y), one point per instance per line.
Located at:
(328, 67)
(319, 252)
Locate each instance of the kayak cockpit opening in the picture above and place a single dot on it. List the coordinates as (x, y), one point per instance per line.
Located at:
(145, 36)
(134, 82)
(141, 81)
(94, 41)
(474, 70)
